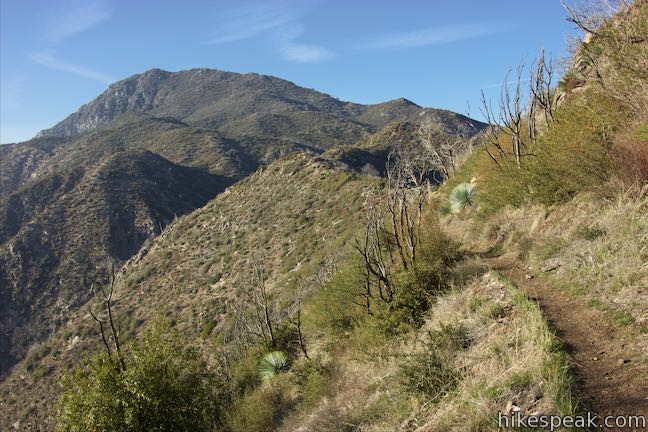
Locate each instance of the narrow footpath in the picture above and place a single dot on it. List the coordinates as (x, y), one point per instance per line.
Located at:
(609, 381)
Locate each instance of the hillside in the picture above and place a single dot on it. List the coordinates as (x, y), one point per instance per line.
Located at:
(246, 104)
(196, 269)
(56, 231)
(214, 127)
(289, 262)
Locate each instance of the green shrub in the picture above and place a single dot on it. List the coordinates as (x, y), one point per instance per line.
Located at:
(416, 291)
(572, 155)
(243, 375)
(260, 410)
(311, 378)
(444, 209)
(35, 356)
(40, 372)
(589, 233)
(166, 387)
(417, 288)
(208, 329)
(431, 373)
(334, 307)
(286, 337)
(370, 335)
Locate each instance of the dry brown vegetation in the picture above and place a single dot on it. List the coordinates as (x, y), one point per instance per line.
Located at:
(390, 315)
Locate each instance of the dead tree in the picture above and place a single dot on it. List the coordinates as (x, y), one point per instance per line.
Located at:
(392, 225)
(513, 119)
(615, 48)
(373, 249)
(590, 16)
(511, 114)
(242, 333)
(106, 294)
(261, 302)
(297, 322)
(442, 150)
(507, 122)
(407, 186)
(254, 316)
(543, 96)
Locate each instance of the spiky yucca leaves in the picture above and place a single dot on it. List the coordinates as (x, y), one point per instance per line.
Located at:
(271, 364)
(462, 196)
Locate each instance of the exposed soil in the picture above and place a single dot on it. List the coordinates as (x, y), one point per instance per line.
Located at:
(610, 378)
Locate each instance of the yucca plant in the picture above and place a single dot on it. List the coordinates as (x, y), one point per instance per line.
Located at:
(462, 196)
(271, 364)
(569, 81)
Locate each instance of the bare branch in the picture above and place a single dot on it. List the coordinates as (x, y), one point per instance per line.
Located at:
(106, 300)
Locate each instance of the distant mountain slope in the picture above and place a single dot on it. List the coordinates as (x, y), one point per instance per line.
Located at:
(231, 102)
(94, 187)
(56, 231)
(372, 152)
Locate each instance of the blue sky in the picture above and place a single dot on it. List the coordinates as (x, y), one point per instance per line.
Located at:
(58, 55)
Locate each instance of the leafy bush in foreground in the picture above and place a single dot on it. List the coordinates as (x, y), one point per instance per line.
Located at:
(166, 387)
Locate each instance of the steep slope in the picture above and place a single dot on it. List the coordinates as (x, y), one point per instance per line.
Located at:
(294, 214)
(19, 161)
(224, 124)
(73, 189)
(57, 229)
(210, 150)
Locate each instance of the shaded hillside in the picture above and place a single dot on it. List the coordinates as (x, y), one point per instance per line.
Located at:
(210, 150)
(69, 203)
(371, 154)
(57, 229)
(298, 213)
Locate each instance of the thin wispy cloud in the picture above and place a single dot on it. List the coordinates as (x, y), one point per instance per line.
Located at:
(508, 83)
(287, 40)
(303, 53)
(434, 36)
(252, 20)
(279, 21)
(48, 59)
(70, 18)
(75, 16)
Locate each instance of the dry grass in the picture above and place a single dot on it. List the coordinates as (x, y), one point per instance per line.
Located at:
(502, 353)
(512, 360)
(604, 254)
(361, 394)
(630, 152)
(594, 247)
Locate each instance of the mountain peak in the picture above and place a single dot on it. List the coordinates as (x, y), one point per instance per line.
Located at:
(403, 101)
(216, 99)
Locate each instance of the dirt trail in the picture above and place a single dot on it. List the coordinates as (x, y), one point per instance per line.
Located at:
(610, 380)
